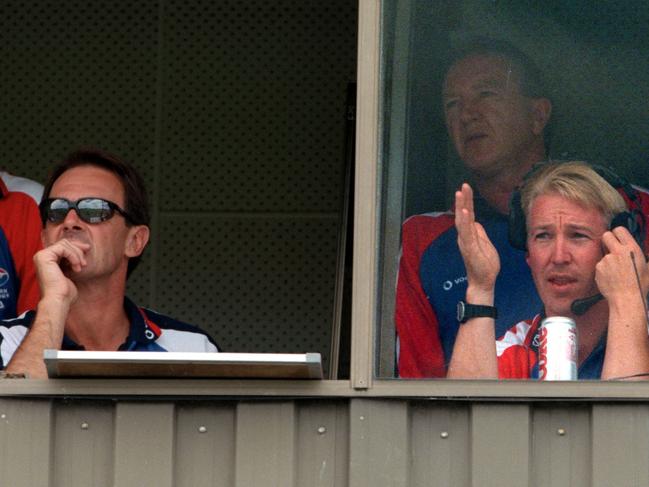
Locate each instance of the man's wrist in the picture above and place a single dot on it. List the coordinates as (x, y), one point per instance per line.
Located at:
(627, 304)
(55, 300)
(467, 311)
(53, 309)
(482, 296)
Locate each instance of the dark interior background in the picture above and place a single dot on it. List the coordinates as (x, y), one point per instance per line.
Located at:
(235, 113)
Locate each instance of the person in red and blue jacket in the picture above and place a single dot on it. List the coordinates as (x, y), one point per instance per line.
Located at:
(20, 239)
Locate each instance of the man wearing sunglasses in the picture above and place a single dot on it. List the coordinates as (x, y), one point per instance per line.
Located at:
(95, 227)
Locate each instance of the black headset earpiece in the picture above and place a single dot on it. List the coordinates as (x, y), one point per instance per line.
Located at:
(517, 229)
(633, 221)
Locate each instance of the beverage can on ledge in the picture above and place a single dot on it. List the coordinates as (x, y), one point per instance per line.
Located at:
(558, 349)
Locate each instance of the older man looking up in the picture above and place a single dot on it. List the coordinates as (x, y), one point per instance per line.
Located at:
(496, 113)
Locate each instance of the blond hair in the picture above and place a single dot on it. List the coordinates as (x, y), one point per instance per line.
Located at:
(576, 181)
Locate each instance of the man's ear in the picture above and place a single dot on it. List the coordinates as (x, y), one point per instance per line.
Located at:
(138, 237)
(541, 112)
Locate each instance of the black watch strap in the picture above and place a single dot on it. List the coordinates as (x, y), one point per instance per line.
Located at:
(467, 311)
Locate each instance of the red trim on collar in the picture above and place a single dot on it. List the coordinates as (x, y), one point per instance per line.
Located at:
(150, 324)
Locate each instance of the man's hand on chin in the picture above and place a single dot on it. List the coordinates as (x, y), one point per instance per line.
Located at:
(55, 263)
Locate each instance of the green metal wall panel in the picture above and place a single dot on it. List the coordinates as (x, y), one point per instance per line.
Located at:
(144, 444)
(620, 445)
(500, 444)
(205, 439)
(561, 445)
(379, 453)
(327, 441)
(25, 443)
(83, 439)
(265, 444)
(439, 446)
(323, 452)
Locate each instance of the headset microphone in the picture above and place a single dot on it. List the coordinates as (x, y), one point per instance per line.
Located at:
(580, 306)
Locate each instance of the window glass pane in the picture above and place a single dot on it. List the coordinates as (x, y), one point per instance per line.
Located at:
(589, 101)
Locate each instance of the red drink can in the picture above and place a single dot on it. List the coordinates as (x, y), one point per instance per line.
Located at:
(558, 349)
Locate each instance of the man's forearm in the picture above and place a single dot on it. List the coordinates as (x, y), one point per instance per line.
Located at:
(627, 347)
(46, 332)
(474, 352)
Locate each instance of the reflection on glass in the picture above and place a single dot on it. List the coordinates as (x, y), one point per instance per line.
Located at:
(473, 91)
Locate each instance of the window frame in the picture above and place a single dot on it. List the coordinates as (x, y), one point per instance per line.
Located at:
(369, 332)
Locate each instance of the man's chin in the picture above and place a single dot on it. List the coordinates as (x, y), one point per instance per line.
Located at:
(560, 307)
(480, 163)
(73, 275)
(566, 312)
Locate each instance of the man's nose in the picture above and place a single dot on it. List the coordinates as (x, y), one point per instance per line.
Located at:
(71, 220)
(468, 110)
(560, 251)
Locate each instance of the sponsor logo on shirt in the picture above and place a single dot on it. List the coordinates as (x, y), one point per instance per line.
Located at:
(448, 285)
(4, 276)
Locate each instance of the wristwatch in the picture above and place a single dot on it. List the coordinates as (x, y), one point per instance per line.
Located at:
(467, 311)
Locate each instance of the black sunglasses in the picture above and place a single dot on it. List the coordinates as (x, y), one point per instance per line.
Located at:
(90, 210)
